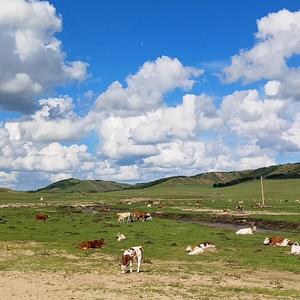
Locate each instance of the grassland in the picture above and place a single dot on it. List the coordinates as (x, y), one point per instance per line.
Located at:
(241, 268)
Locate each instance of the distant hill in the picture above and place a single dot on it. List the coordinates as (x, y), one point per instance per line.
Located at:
(77, 185)
(5, 190)
(222, 179)
(215, 179)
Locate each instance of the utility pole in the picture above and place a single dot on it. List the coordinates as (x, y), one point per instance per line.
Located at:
(262, 191)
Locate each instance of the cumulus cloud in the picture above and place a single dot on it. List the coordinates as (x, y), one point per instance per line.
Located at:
(54, 121)
(32, 60)
(146, 88)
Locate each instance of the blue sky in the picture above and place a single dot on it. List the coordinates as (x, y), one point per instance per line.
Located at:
(133, 90)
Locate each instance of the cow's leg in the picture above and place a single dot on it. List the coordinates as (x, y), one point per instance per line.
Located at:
(130, 265)
(138, 264)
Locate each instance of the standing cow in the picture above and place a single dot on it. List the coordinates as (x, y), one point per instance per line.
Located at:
(41, 217)
(131, 255)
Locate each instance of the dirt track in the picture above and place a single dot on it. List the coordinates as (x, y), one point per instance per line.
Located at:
(148, 284)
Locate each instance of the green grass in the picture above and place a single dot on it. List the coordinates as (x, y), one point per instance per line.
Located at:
(162, 239)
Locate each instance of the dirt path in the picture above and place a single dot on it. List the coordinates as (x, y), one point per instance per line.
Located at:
(173, 284)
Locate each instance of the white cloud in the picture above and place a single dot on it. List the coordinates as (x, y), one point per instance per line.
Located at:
(54, 121)
(145, 89)
(27, 30)
(277, 40)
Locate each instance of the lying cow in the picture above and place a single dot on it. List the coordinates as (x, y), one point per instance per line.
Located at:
(124, 216)
(121, 237)
(41, 217)
(92, 244)
(205, 246)
(131, 255)
(194, 250)
(295, 249)
(249, 230)
(277, 241)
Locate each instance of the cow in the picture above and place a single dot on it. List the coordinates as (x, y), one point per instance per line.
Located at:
(41, 217)
(244, 231)
(295, 249)
(225, 210)
(124, 216)
(120, 237)
(194, 250)
(131, 255)
(207, 246)
(201, 248)
(277, 241)
(92, 244)
(139, 215)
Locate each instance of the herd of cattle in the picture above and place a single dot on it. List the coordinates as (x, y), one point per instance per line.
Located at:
(136, 254)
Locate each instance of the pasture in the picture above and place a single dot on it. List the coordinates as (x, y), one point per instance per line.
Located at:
(47, 254)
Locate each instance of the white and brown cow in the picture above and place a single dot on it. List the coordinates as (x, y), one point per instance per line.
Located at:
(131, 255)
(194, 250)
(278, 241)
(209, 246)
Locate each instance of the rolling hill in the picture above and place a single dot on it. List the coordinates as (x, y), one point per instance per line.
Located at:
(215, 179)
(77, 185)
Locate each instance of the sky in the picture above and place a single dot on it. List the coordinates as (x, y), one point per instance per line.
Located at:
(133, 91)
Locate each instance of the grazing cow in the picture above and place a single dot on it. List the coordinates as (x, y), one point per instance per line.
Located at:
(124, 216)
(92, 244)
(194, 250)
(121, 237)
(149, 205)
(295, 249)
(277, 241)
(41, 217)
(258, 205)
(139, 215)
(249, 230)
(131, 255)
(225, 210)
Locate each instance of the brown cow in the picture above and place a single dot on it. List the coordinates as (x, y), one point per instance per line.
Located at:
(92, 244)
(139, 215)
(278, 241)
(41, 216)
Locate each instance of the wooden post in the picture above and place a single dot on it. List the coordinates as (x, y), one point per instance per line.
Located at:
(262, 191)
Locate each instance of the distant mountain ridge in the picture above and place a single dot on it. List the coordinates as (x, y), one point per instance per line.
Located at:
(216, 179)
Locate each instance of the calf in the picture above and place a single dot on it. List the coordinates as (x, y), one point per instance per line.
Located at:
(92, 244)
(295, 249)
(249, 230)
(277, 241)
(131, 255)
(41, 217)
(121, 237)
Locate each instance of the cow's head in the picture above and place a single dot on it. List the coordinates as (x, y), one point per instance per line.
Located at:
(267, 241)
(189, 248)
